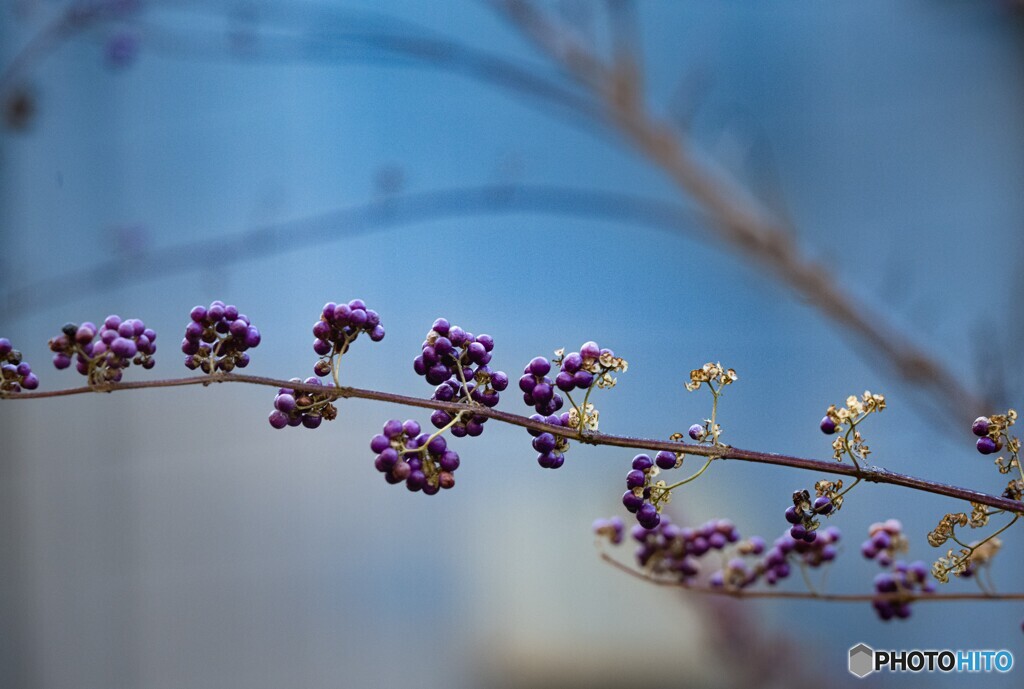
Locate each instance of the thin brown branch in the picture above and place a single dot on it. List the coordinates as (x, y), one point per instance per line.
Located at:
(871, 474)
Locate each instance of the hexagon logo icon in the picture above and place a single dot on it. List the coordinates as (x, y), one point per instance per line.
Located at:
(862, 660)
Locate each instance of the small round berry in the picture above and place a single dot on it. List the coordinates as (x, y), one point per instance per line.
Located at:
(572, 363)
(393, 428)
(822, 505)
(635, 479)
(124, 348)
(278, 419)
(828, 425)
(665, 460)
(499, 381)
(793, 516)
(417, 479)
(647, 516)
(987, 446)
(544, 443)
(631, 501)
(286, 403)
(980, 426)
(441, 326)
(642, 463)
(696, 431)
(379, 443)
(539, 366)
(590, 350)
(565, 381)
(583, 379)
(449, 461)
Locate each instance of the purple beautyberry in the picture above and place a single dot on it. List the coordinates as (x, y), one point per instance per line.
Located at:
(822, 505)
(980, 426)
(665, 460)
(987, 446)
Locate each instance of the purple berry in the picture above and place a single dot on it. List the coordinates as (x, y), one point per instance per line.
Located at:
(828, 425)
(642, 463)
(822, 505)
(665, 460)
(987, 446)
(635, 479)
(980, 426)
(544, 443)
(539, 366)
(631, 501)
(590, 350)
(572, 363)
(647, 516)
(379, 443)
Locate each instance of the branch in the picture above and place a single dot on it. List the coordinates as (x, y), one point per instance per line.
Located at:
(872, 474)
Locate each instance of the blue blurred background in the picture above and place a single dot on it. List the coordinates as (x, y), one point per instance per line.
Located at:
(277, 157)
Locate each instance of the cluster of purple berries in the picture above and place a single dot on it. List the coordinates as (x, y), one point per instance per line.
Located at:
(299, 408)
(903, 578)
(671, 550)
(338, 328)
(15, 373)
(538, 389)
(217, 337)
(989, 435)
(120, 344)
(884, 540)
(802, 515)
(551, 448)
(423, 461)
(815, 553)
(576, 370)
(775, 565)
(639, 491)
(456, 362)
